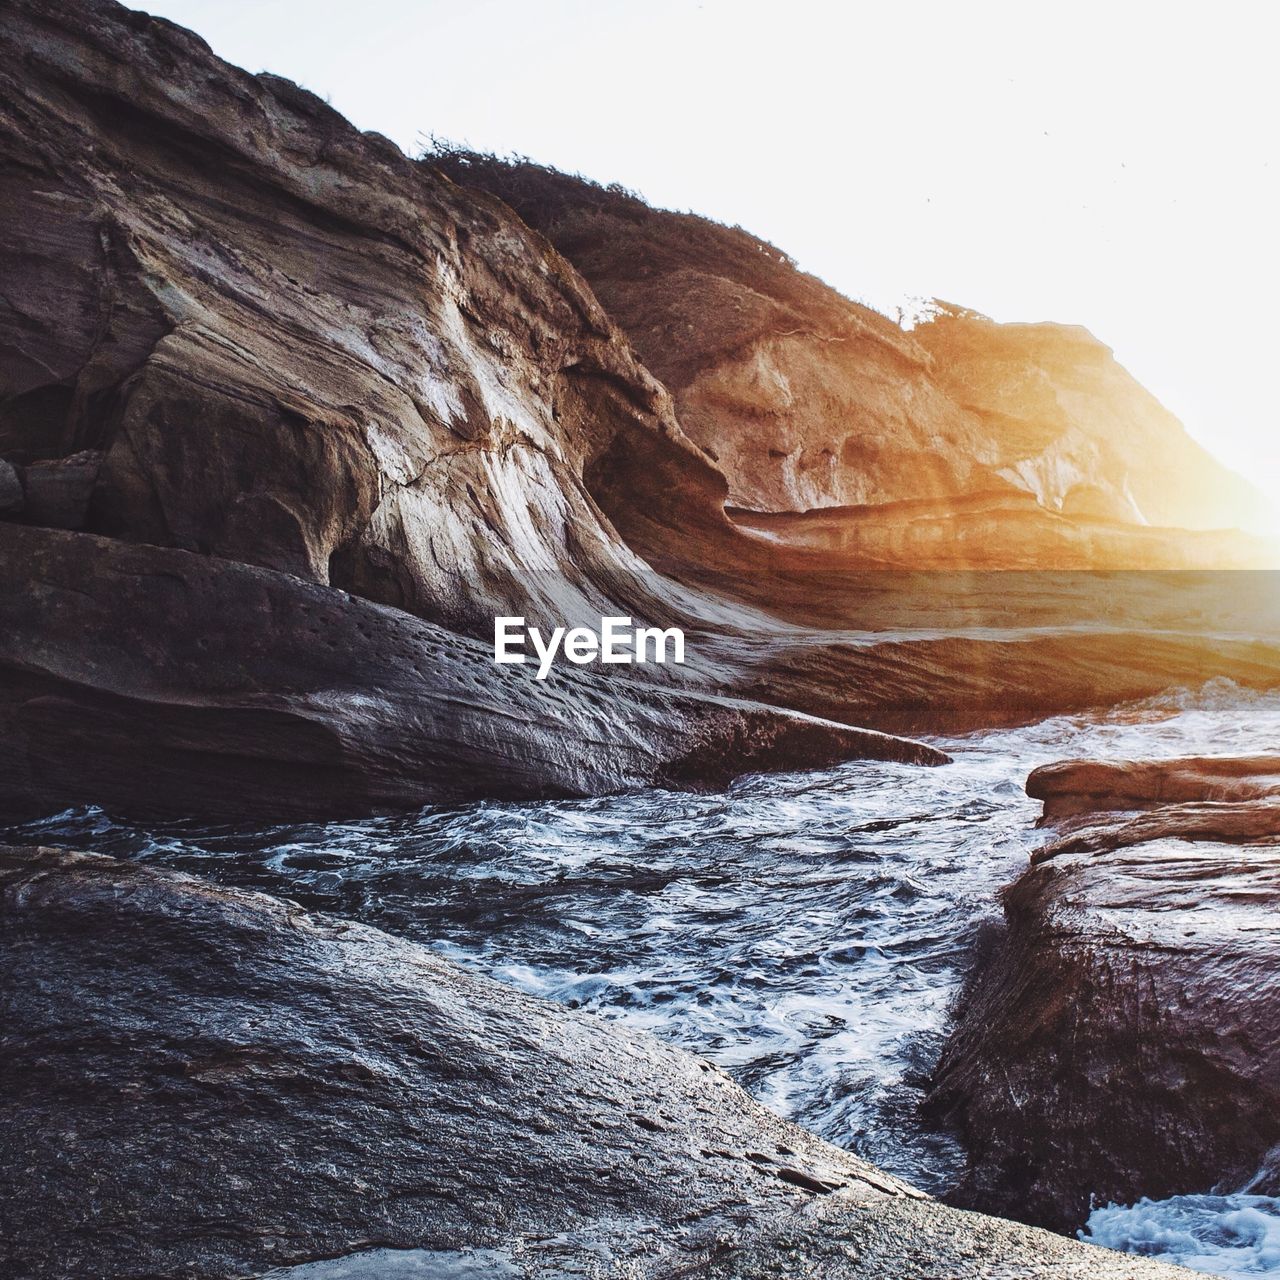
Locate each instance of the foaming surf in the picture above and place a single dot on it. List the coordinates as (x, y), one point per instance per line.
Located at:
(1232, 1235)
(1224, 1234)
(809, 932)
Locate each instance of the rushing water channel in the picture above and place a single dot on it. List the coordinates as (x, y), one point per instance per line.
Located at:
(808, 932)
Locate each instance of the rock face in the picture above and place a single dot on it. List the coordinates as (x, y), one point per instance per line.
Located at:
(252, 333)
(803, 398)
(288, 345)
(1077, 431)
(230, 691)
(1123, 1038)
(203, 1082)
(248, 333)
(807, 400)
(11, 496)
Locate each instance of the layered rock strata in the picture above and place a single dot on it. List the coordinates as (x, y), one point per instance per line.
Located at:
(1122, 1039)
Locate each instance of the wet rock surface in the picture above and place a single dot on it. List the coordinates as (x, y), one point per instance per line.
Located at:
(1122, 1038)
(58, 490)
(176, 684)
(201, 1081)
(11, 495)
(1098, 786)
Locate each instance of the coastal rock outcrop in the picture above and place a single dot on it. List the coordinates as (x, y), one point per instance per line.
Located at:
(1072, 787)
(237, 329)
(163, 682)
(1122, 1038)
(1077, 430)
(235, 325)
(199, 1081)
(1000, 530)
(808, 400)
(803, 398)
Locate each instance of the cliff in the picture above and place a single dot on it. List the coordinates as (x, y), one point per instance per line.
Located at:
(255, 333)
(808, 400)
(1077, 431)
(287, 418)
(240, 335)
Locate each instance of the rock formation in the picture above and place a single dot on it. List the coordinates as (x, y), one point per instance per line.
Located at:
(230, 691)
(1122, 1039)
(1103, 786)
(999, 530)
(202, 1082)
(1077, 431)
(240, 327)
(808, 400)
(238, 334)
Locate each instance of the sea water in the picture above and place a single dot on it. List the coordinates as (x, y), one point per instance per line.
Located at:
(807, 931)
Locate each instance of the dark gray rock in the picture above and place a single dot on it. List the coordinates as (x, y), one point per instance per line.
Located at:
(10, 488)
(58, 489)
(197, 1081)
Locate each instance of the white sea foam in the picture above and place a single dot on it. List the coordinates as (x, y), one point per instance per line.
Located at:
(1224, 1235)
(404, 1264)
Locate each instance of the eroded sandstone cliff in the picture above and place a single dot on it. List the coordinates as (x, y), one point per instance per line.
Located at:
(1077, 431)
(236, 327)
(809, 400)
(237, 330)
(268, 337)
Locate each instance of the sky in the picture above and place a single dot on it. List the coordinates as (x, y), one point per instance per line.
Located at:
(1111, 165)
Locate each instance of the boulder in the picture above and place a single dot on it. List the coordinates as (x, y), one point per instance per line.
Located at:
(1121, 1038)
(198, 1081)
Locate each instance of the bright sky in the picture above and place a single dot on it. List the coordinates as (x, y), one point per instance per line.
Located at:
(1107, 164)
